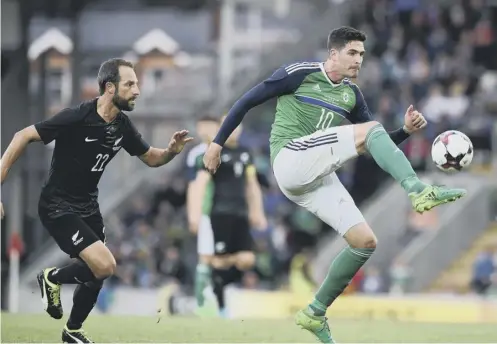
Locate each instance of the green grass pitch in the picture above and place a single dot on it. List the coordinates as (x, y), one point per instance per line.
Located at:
(128, 329)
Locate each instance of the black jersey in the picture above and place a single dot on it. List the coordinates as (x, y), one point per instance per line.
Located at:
(230, 181)
(84, 145)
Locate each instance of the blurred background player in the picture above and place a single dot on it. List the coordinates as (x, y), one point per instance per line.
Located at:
(206, 130)
(226, 247)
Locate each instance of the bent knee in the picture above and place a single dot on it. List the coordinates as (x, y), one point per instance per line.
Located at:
(361, 236)
(361, 131)
(105, 268)
(365, 242)
(245, 261)
(100, 260)
(369, 242)
(221, 262)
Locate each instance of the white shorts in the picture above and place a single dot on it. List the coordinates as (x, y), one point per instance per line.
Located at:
(305, 172)
(205, 237)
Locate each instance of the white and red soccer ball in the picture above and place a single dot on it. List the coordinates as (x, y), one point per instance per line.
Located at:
(452, 151)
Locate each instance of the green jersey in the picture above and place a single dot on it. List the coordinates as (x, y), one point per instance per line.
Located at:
(307, 101)
(315, 103)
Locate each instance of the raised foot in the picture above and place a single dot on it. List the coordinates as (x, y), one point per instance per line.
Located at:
(433, 196)
(50, 294)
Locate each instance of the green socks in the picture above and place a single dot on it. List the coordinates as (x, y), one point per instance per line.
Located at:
(202, 280)
(341, 272)
(392, 160)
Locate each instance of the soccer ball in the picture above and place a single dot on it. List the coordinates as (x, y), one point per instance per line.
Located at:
(452, 151)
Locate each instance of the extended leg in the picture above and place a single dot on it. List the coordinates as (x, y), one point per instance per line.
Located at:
(373, 138)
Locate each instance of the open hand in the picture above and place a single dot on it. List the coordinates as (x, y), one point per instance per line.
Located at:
(178, 141)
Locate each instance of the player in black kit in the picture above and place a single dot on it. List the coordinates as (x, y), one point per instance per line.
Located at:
(87, 137)
(236, 206)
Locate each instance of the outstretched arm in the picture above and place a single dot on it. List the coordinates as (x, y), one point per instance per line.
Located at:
(46, 131)
(16, 147)
(256, 96)
(156, 157)
(283, 81)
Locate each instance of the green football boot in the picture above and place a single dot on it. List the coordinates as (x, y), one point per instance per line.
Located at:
(433, 196)
(317, 325)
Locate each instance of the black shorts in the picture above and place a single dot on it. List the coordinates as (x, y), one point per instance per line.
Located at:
(481, 286)
(73, 233)
(231, 234)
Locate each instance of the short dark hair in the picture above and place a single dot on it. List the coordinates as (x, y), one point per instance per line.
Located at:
(109, 72)
(338, 38)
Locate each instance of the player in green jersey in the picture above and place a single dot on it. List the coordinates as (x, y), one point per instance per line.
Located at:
(200, 223)
(322, 121)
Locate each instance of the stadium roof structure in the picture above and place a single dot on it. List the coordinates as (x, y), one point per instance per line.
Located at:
(53, 38)
(156, 39)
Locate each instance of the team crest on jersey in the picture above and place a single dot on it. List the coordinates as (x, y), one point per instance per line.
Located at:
(345, 97)
(117, 145)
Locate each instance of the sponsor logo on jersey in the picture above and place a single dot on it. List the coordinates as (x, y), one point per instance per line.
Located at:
(316, 88)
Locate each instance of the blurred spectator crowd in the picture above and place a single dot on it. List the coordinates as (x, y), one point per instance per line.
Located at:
(441, 58)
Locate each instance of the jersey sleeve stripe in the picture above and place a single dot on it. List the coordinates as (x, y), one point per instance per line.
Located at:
(302, 64)
(306, 65)
(292, 65)
(313, 101)
(302, 68)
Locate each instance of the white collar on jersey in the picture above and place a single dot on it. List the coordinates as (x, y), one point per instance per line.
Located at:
(321, 66)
